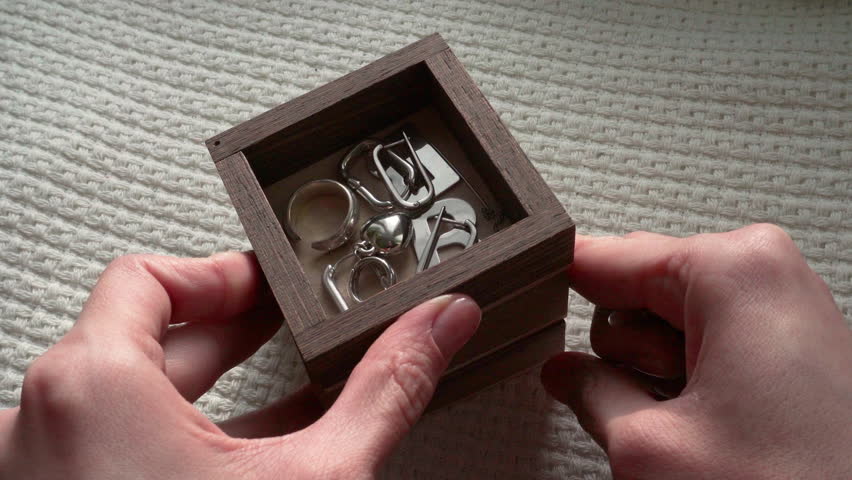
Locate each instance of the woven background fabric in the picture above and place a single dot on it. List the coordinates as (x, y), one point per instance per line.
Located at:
(668, 115)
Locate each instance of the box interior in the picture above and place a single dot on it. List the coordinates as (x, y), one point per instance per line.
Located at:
(411, 100)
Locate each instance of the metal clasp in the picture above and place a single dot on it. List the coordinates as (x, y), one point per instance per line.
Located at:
(405, 168)
(398, 199)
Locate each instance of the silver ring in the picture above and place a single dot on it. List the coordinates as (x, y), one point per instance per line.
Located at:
(318, 188)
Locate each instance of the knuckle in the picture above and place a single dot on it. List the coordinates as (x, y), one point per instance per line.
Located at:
(222, 283)
(760, 249)
(136, 265)
(127, 263)
(51, 384)
(766, 237)
(139, 342)
(118, 363)
(411, 374)
(767, 249)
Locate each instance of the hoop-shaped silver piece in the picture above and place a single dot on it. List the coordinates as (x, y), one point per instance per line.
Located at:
(365, 253)
(410, 206)
(400, 164)
(383, 269)
(318, 188)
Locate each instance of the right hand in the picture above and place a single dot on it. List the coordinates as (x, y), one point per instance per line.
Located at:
(765, 352)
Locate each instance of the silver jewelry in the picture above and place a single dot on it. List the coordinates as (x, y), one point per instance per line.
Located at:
(428, 252)
(367, 146)
(441, 172)
(384, 235)
(398, 199)
(389, 233)
(386, 274)
(458, 210)
(318, 188)
(431, 242)
(365, 252)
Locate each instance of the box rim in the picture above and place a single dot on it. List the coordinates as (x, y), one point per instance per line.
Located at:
(299, 303)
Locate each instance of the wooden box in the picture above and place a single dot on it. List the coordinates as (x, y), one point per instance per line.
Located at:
(516, 274)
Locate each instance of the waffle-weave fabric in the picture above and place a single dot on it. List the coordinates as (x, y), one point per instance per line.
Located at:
(670, 116)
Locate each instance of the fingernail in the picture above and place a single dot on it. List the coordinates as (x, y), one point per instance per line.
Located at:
(455, 323)
(620, 318)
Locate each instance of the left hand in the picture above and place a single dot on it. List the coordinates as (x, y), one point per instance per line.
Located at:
(113, 399)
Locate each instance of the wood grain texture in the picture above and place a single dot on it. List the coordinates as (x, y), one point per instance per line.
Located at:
(526, 311)
(534, 248)
(515, 359)
(286, 151)
(492, 137)
(304, 107)
(277, 259)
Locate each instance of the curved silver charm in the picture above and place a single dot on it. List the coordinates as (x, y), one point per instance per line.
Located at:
(354, 183)
(389, 233)
(384, 270)
(331, 287)
(401, 172)
(432, 242)
(417, 204)
(442, 173)
(315, 189)
(366, 254)
(458, 210)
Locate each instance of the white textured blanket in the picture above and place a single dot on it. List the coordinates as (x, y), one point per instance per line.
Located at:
(671, 116)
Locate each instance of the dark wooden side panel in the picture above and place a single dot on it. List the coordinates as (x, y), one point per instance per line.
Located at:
(524, 253)
(517, 316)
(276, 257)
(297, 146)
(505, 363)
(250, 132)
(491, 134)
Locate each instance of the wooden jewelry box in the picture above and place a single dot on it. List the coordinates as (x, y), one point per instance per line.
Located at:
(516, 271)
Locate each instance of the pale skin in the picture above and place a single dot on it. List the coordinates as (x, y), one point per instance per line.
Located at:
(757, 354)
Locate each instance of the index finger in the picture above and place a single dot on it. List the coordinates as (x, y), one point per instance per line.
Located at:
(639, 270)
(142, 294)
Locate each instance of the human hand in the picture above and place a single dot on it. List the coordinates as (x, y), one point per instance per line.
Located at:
(766, 355)
(112, 399)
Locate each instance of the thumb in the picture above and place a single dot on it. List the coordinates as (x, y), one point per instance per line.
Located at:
(391, 386)
(598, 393)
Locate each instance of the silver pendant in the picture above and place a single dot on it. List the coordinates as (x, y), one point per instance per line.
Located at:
(382, 236)
(456, 209)
(432, 242)
(390, 233)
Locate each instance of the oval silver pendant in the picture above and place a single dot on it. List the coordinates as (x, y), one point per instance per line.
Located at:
(390, 233)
